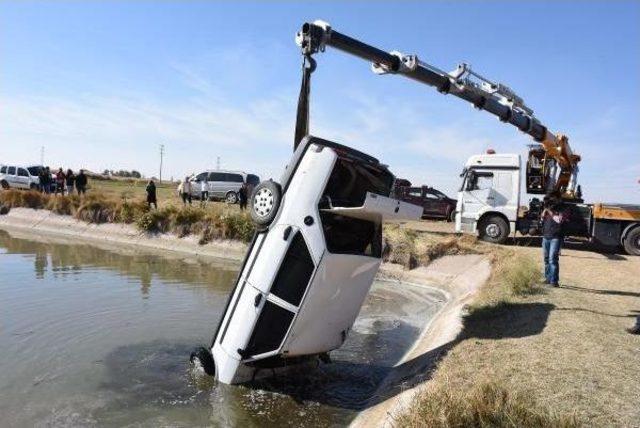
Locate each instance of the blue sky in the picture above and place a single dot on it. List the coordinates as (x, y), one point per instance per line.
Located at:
(102, 84)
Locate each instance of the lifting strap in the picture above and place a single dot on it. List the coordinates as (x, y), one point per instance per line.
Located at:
(302, 115)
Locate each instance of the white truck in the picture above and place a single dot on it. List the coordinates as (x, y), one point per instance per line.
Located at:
(489, 205)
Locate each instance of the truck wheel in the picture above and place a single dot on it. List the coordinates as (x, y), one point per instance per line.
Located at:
(231, 198)
(265, 202)
(632, 242)
(203, 357)
(494, 229)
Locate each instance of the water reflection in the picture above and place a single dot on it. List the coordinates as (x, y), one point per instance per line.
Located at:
(64, 259)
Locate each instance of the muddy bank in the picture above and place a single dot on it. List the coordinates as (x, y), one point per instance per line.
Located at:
(457, 277)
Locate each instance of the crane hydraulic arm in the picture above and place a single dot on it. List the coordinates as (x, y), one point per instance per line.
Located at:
(552, 166)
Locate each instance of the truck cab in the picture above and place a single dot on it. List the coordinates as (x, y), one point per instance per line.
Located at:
(489, 196)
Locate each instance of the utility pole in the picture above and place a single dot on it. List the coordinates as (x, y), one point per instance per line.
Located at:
(161, 155)
(42, 155)
(218, 162)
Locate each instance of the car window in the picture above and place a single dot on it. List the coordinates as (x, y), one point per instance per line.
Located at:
(216, 176)
(415, 192)
(12, 170)
(202, 176)
(22, 172)
(3, 170)
(234, 178)
(431, 196)
(34, 170)
(253, 180)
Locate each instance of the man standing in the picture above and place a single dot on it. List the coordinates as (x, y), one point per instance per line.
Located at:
(184, 190)
(81, 182)
(60, 180)
(552, 236)
(151, 194)
(204, 191)
(242, 196)
(70, 180)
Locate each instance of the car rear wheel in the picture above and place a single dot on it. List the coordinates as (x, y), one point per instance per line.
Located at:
(494, 229)
(265, 202)
(231, 198)
(4, 184)
(632, 242)
(452, 216)
(204, 359)
(32, 186)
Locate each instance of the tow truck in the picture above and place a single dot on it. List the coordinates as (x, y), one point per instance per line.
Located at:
(492, 209)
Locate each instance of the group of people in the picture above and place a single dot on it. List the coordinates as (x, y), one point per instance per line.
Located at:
(185, 190)
(61, 182)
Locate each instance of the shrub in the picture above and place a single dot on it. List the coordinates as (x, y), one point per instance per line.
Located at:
(520, 275)
(156, 221)
(130, 211)
(65, 205)
(23, 198)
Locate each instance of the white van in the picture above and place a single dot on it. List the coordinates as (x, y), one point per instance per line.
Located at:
(19, 177)
(223, 184)
(310, 265)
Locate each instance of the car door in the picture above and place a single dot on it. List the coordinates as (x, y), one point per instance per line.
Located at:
(477, 193)
(234, 182)
(196, 184)
(216, 184)
(11, 176)
(413, 195)
(437, 206)
(22, 178)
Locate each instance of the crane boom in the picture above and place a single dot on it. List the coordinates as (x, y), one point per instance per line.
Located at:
(556, 164)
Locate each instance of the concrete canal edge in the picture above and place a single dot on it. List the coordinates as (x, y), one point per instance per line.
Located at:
(458, 277)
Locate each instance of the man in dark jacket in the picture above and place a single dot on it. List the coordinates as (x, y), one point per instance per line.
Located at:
(81, 182)
(552, 236)
(151, 194)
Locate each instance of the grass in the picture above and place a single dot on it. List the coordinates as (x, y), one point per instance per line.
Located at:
(411, 248)
(485, 404)
(213, 221)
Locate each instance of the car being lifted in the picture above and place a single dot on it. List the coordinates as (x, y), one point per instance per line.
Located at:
(311, 263)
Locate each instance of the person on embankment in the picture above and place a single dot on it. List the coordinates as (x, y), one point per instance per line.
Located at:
(151, 194)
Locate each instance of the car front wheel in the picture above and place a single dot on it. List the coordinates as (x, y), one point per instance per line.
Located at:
(265, 202)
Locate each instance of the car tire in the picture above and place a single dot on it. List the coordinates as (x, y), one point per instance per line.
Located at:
(494, 229)
(4, 184)
(231, 198)
(203, 357)
(452, 216)
(265, 202)
(632, 242)
(32, 186)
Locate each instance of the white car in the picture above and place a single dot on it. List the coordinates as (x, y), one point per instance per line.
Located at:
(19, 177)
(223, 184)
(310, 265)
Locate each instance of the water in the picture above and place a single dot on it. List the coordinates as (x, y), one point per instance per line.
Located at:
(93, 337)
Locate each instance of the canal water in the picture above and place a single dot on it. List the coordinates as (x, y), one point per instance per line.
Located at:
(94, 337)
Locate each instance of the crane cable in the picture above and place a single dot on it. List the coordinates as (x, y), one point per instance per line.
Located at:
(302, 114)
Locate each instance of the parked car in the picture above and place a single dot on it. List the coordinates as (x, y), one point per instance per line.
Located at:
(223, 184)
(310, 265)
(19, 177)
(435, 204)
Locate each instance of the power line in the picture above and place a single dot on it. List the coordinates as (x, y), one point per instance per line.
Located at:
(161, 156)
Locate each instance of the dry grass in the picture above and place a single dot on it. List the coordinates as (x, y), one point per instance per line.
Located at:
(411, 248)
(485, 404)
(566, 348)
(215, 221)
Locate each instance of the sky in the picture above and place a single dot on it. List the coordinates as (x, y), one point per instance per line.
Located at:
(101, 85)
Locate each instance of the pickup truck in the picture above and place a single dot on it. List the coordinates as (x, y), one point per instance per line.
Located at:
(434, 203)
